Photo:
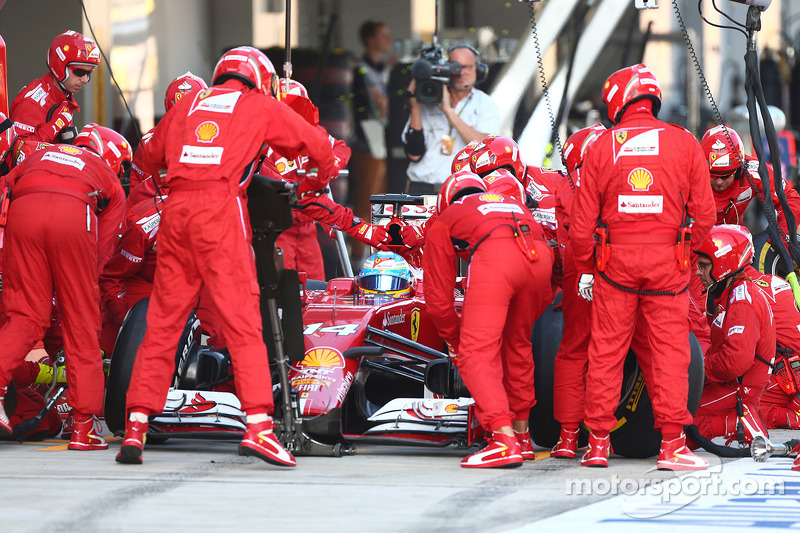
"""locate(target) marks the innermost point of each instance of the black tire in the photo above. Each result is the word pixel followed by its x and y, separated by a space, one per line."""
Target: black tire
pixel 635 436
pixel 10 401
pixel 546 338
pixel 766 259
pixel 129 338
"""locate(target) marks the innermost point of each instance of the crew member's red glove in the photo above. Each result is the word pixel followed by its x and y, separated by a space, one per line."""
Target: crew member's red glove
pixel 311 183
pixel 413 236
pixel 370 234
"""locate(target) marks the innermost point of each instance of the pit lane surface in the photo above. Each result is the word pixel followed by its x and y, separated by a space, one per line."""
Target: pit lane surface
pixel 192 485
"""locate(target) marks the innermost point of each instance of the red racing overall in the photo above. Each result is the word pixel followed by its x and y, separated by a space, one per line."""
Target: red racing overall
pixel 742 339
pixel 779 409
pixel 58 237
pixel 505 294
pixel 36 110
pixel 642 179
pixel 210 142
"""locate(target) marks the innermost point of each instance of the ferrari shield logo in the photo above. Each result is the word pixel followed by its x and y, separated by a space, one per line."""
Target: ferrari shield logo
pixel 414 325
pixel 620 136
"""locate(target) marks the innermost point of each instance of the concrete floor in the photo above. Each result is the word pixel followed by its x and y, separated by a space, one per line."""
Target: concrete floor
pixel 192 485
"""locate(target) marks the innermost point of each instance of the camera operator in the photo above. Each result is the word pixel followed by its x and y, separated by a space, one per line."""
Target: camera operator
pixel 435 132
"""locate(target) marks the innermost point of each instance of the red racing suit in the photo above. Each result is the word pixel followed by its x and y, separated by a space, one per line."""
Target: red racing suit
pixel 543 184
pixel 143 165
pixel 778 407
pixel 128 275
pixel 505 294
pixel 59 237
pixel 210 142
pixel 41 110
pixel 642 179
pixel 733 201
pixel 299 243
pixel 742 346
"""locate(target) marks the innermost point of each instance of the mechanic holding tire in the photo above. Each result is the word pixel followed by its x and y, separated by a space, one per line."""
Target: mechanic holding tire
pixel 210 143
pixel 644 187
pixel 508 287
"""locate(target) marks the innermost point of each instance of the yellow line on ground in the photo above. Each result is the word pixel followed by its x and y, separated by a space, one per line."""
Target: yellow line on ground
pixel 542 455
pixel 61 447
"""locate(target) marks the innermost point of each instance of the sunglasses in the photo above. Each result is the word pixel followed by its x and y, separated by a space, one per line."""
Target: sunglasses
pixel 80 72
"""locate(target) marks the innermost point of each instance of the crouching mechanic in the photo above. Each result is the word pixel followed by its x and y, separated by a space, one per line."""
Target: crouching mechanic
pixel 742 338
pixel 508 287
pixel 66 211
pixel 642 183
pixel 210 142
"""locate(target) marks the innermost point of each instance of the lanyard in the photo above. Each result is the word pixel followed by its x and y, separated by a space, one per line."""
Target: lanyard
pixel 450 133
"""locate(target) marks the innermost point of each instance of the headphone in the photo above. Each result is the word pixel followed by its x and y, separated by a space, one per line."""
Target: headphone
pixel 481 68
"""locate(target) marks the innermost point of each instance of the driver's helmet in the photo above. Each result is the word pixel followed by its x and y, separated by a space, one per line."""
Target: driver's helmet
pixel 385 273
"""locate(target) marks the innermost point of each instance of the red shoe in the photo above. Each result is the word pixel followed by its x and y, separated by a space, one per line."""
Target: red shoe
pixel 596 453
pixel 675 455
pixel 567 445
pixel 130 452
pixel 5 426
pixel 752 423
pixel 525 446
pixel 86 433
pixel 502 451
pixel 259 441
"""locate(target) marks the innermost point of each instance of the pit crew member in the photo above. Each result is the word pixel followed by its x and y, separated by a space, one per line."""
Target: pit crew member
pixel 210 143
pixel 43 109
pixel 642 184
pixel 742 336
pixel 67 208
pixel 508 287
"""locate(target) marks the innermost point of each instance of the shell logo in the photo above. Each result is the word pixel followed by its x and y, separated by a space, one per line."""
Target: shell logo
pixel 640 179
pixel 69 149
pixel 207 132
pixel 323 357
pixel 281 167
pixel 491 197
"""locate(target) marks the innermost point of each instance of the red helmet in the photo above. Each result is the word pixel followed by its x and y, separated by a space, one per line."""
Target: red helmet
pixel 182 85
pixel 8 138
pixel 71 48
pixel 577 144
pixel 495 152
pixel 297 98
pixel 628 85
pixel 461 160
pixel 110 145
pixel 290 86
pixel 723 148
pixel 249 65
pixel 502 181
pixel 457 185
pixel 729 247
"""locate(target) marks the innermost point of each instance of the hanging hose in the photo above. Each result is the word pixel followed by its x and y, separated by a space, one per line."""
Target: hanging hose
pixel 755 94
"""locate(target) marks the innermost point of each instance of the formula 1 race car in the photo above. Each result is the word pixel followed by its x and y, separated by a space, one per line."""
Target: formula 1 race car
pixel 350 367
